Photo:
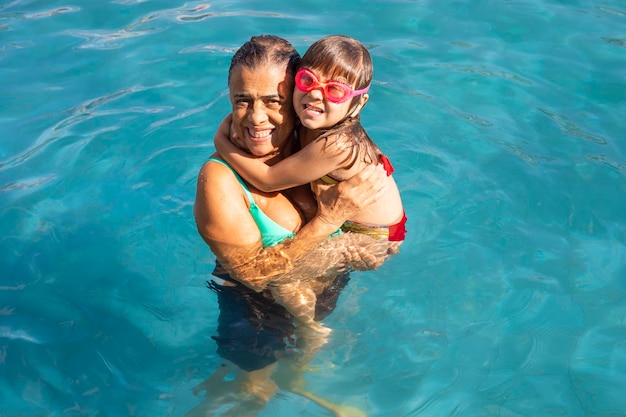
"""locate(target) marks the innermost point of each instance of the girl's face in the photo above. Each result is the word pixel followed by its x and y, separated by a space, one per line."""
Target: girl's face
pixel 316 111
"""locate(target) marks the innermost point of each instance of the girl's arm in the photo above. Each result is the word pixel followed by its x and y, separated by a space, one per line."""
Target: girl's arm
pixel 309 164
pixel 223 130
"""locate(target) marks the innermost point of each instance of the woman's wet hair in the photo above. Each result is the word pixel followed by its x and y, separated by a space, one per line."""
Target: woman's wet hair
pixel 265 50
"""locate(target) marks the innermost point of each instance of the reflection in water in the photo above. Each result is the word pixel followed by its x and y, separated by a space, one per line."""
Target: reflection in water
pixel 266 345
pixel 297 290
pixel 295 284
pixel 262 352
pixel 230 391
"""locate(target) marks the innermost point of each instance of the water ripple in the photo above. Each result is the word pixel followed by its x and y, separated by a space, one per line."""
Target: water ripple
pixel 208 48
pixel 519 151
pixel 128 2
pixel 8 333
pixel 204 16
pixel 614 41
pixel 106 39
pixel 156 125
pixel 609 10
pixel 100 39
pixel 472 118
pixel 570 128
pixel 512 77
pixel 78 114
pixel 33 16
pixel 608 162
pixel 499 73
pixel 111 39
pixel 50 13
pixel 198 14
pixel 28 183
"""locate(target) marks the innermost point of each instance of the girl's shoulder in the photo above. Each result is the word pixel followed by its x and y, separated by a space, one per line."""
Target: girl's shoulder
pixel 352 140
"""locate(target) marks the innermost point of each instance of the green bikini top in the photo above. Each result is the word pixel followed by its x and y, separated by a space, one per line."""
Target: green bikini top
pixel 272 233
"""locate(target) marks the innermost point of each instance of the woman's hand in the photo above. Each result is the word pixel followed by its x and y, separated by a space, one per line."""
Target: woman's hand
pixel 365 253
pixel 339 202
pixel 360 259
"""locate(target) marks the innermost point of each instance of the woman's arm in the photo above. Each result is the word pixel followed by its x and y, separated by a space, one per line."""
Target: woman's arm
pixel 307 165
pixel 224 222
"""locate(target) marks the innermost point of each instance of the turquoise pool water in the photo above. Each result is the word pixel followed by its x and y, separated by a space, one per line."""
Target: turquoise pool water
pixel 505 121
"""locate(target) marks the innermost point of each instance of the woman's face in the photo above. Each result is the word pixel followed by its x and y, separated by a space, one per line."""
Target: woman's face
pixel 263 115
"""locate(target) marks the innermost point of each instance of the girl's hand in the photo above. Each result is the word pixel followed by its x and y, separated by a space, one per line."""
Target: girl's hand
pixel 234 137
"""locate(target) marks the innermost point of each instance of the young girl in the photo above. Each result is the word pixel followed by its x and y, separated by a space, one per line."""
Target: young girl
pixel 331 89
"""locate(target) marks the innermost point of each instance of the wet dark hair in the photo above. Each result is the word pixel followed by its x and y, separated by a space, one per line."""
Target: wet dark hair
pixel 345 59
pixel 265 50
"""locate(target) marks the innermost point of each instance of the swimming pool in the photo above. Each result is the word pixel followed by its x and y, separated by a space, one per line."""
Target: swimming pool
pixel 504 120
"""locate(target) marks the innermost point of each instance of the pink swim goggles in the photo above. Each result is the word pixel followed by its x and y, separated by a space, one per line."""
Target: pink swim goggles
pixel 334 91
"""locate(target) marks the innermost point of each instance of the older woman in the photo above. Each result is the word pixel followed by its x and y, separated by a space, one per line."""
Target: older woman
pixel 257 235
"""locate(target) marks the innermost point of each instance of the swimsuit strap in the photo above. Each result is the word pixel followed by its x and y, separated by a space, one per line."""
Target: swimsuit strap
pixel 327 179
pixel 393 233
pixel 243 184
pixel 272 233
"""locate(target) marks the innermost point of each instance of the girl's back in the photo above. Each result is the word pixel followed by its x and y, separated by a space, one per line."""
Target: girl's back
pixel 360 150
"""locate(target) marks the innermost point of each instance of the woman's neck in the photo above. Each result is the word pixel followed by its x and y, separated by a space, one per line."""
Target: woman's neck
pixel 280 154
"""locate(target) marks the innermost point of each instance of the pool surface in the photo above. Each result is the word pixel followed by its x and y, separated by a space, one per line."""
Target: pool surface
pixel 505 121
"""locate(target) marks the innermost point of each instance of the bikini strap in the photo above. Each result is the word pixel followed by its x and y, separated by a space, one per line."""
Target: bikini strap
pixel 243 184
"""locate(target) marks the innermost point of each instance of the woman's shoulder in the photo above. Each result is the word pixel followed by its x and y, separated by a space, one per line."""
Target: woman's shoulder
pixel 217 173
pixel 223 181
